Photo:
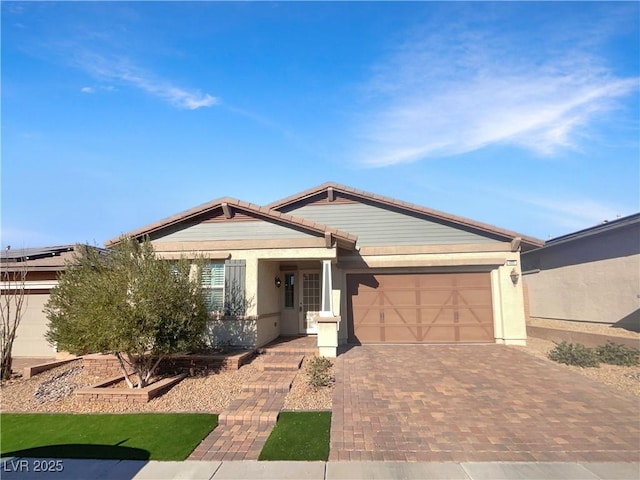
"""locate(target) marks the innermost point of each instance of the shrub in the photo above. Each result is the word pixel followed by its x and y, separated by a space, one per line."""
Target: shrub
pixel 618 354
pixel 318 372
pixel 571 354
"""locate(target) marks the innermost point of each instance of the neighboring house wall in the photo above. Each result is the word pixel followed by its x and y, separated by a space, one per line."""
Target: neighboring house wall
pixel 30 341
pixel 42 266
pixel 592 278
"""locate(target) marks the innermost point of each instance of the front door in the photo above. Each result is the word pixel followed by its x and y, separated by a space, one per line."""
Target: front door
pixel 309 300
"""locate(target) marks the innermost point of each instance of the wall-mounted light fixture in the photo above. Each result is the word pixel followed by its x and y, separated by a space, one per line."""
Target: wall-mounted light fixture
pixel 514 276
pixel 278 282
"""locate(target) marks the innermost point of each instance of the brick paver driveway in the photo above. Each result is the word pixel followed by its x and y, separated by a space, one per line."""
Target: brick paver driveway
pixel 474 403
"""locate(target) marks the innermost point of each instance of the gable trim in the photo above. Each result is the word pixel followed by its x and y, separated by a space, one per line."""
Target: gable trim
pixel 343 239
pixel 509 235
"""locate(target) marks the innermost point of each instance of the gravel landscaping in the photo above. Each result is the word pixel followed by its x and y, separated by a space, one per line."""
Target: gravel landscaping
pixel 52 391
pixel 624 379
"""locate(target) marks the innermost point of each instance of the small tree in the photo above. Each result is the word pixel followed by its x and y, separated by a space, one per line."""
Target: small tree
pixel 129 303
pixel 13 302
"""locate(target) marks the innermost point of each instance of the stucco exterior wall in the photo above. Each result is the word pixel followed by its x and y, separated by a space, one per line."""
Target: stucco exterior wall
pixel 232 332
pixel 603 291
pixel 263 297
pixel 30 341
pixel 589 276
pixel 509 320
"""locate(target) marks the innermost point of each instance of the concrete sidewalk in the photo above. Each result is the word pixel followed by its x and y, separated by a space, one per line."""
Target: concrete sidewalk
pixel 33 468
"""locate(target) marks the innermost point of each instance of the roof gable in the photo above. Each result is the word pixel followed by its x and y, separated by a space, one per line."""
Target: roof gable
pixel 229 210
pixel 340 196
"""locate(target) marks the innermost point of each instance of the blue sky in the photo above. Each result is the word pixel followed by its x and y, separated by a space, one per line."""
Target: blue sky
pixel 116 115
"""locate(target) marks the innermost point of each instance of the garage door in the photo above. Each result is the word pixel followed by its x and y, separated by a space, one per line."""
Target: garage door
pixel 30 341
pixel 420 308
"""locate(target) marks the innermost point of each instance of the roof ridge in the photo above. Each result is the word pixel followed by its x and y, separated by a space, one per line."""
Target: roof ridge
pixel 240 204
pixel 407 206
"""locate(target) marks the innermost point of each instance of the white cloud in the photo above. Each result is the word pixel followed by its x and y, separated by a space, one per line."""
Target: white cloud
pixel 121 70
pixel 453 92
pixel 87 90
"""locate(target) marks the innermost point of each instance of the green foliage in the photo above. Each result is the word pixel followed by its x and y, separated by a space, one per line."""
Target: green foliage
pixel 574 354
pixel 302 436
pixel 618 354
pixel 123 436
pixel 318 372
pixel 129 303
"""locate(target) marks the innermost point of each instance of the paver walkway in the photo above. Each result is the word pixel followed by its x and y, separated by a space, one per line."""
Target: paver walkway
pixel 244 427
pixel 465 403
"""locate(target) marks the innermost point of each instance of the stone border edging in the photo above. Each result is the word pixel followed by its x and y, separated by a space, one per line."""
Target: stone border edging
pixel 587 339
pixel 98 392
pixel 28 372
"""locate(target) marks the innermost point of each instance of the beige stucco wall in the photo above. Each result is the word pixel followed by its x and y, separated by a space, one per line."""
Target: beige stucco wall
pixel 509 320
pixel 30 341
pixel 262 266
pixel 606 291
pixel 268 294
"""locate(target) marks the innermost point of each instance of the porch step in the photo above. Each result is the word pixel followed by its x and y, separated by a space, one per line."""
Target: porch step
pixel 271 382
pixel 307 345
pixel 283 362
pixel 306 351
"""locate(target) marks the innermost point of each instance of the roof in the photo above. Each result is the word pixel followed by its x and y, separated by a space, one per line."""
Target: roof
pixel 605 226
pixel 23 254
pixel 53 258
pixel 226 202
pixel 528 241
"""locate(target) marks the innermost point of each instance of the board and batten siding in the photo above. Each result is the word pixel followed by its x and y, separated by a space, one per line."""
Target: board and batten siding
pixel 257 230
pixel 377 226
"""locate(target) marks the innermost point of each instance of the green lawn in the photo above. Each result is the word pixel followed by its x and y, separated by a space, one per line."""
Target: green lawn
pixel 299 436
pixel 145 436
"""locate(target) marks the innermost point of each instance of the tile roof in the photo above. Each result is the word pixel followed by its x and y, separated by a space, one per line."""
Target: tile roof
pixel 263 212
pixel 528 240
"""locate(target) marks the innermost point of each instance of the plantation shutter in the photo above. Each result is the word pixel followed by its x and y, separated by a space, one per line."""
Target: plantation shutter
pixel 235 295
pixel 213 286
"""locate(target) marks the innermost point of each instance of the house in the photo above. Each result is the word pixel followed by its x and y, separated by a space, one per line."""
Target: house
pixel 350 267
pixel 592 275
pixel 40 267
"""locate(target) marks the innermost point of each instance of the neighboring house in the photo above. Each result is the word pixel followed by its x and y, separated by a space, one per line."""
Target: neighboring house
pixel 42 266
pixel 592 275
pixel 350 266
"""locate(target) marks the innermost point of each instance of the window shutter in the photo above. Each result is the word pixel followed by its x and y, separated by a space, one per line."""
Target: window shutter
pixel 235 295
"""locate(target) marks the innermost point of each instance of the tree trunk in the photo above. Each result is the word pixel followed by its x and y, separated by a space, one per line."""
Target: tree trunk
pixel 124 369
pixel 13 303
pixel 7 363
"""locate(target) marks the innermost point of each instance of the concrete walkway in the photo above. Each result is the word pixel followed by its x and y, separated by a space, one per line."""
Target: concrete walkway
pixel 245 426
pixel 23 469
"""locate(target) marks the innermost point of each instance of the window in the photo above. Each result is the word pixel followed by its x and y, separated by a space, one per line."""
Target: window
pixel 289 280
pixel 213 286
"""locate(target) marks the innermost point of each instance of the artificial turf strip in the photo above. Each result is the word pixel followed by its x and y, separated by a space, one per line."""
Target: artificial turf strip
pixel 144 436
pixel 299 436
